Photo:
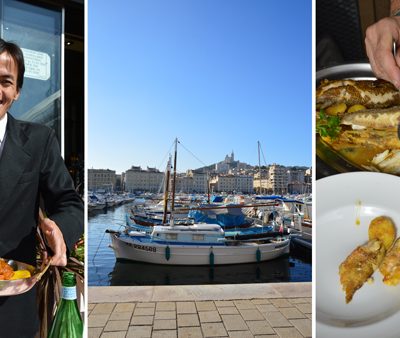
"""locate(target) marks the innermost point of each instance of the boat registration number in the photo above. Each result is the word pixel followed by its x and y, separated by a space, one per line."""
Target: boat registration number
pixel 143 247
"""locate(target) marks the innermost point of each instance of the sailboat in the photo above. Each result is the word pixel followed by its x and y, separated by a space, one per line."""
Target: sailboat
pixel 196 244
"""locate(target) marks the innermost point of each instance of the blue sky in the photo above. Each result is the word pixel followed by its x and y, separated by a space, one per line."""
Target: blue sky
pixel 219 75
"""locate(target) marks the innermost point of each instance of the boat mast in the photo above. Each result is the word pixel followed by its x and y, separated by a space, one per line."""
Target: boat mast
pixel 208 188
pixel 259 167
pixel 168 174
pixel 174 176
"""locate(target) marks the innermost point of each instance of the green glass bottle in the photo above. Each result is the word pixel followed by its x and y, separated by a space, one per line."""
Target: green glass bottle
pixel 68 322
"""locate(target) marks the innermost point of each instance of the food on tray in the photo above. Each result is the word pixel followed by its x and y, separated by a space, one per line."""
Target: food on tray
pixel 371 94
pixel 390 267
pixel 383 229
pixel 388 161
pixel 19 274
pixel 373 118
pixel 359 120
pixel 6 271
pixel 359 266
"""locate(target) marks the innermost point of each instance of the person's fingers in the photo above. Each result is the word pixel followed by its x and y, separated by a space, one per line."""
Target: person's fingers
pixel 379 47
pixel 55 241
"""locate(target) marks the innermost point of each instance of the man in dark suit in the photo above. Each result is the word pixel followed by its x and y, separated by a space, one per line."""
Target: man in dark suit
pixel 31 168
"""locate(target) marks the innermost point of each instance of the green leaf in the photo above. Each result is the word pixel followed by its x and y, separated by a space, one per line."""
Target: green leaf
pixel 328 126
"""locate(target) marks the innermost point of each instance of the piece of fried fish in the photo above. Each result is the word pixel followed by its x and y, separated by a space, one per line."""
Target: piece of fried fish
pixel 359 266
pixel 390 267
pixel 382 119
pixel 369 93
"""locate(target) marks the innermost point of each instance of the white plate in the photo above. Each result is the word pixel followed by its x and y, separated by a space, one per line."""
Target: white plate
pixel 341 201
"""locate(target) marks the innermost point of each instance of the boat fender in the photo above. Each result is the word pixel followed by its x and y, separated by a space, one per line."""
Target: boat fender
pixel 167 253
pixel 211 258
pixel 258 255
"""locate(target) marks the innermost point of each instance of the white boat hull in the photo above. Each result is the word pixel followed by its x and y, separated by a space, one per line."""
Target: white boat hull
pixel 245 252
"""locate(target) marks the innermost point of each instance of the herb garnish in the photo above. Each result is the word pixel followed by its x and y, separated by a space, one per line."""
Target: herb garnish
pixel 328 125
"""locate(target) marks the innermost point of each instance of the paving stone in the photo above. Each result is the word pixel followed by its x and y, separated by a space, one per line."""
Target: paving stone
pixel 303 325
pixel 288 332
pixel 144 311
pixel 164 324
pixel 98 320
pixel 165 306
pixel 164 334
pixel 277 319
pixel 258 327
pixel 244 304
pixel 263 308
pixel 186 307
pixel 121 316
pixel 240 334
pixel 298 300
pixel 260 301
pixel 205 306
pixel 223 303
pixel 213 330
pixel 95 332
pixel 117 325
pixel 252 314
pixel 292 313
pixel 124 307
pixel 281 302
pixel 229 310
pixel 188 319
pixel 103 308
pixel 118 334
pixel 146 304
pixel 165 315
pixel 139 332
pixel 305 308
pixel 209 317
pixel 234 323
pixel 267 336
pixel 190 332
pixel 91 306
pixel 142 320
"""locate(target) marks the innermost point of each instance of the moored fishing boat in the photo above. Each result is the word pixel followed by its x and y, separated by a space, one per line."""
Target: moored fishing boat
pixel 198 244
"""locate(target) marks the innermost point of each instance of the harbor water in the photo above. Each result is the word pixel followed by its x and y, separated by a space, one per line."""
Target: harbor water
pixel 103 269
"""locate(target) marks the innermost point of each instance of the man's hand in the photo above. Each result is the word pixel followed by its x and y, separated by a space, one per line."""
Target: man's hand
pixel 379 46
pixel 55 240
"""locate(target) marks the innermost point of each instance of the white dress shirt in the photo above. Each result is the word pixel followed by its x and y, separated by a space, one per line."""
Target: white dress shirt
pixel 3 125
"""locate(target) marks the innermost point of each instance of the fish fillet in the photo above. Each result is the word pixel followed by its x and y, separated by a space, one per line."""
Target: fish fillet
pixel 373 118
pixel 369 93
pixel 359 266
pixel 378 139
pixel 388 161
pixel 390 267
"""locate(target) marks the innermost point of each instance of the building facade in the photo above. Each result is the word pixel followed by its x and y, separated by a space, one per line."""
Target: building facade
pixel 192 182
pixel 233 184
pixel 277 179
pixel 101 179
pixel 137 179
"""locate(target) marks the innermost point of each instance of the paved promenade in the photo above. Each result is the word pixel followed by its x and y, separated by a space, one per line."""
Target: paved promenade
pixel 244 310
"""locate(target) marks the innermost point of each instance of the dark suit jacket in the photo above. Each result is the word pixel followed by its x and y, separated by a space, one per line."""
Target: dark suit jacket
pixel 31 166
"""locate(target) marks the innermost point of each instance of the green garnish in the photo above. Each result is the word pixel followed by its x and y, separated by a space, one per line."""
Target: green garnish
pixel 327 125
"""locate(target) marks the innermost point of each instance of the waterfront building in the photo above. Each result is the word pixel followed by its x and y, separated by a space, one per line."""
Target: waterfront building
pixel 192 182
pixel 137 179
pixel 101 179
pixel 261 185
pixel 232 183
pixel 277 179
